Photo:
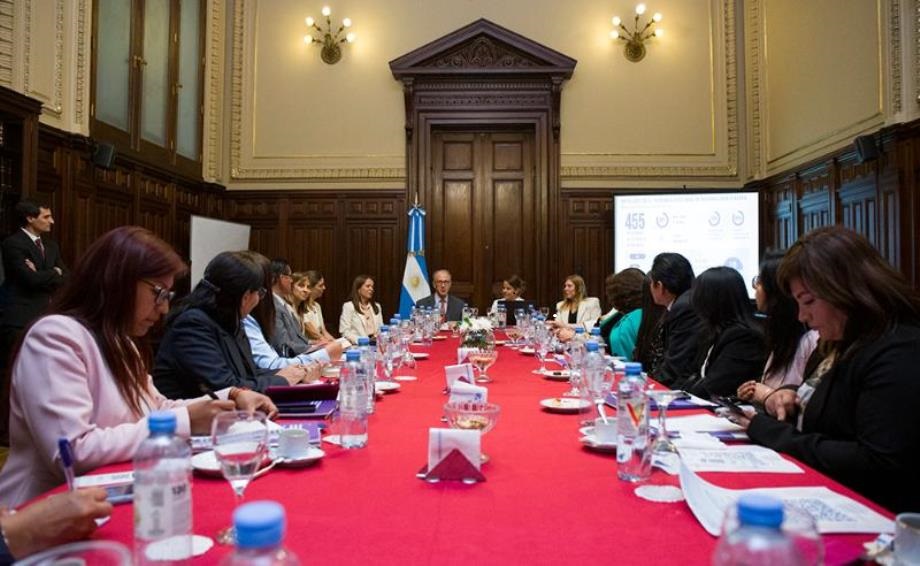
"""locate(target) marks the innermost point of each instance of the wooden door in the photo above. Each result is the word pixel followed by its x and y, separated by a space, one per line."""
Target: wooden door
pixel 481 214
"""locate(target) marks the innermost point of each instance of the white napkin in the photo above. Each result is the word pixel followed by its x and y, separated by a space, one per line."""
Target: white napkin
pixel 462 372
pixel 463 354
pixel 442 440
pixel 465 392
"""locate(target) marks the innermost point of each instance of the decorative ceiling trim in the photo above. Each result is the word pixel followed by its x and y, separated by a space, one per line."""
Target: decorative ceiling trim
pixel 7 20
pixel 895 54
pixel 81 84
pixel 755 32
pixel 213 88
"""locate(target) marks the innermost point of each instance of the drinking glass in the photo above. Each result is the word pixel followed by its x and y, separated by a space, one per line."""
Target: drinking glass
pixel 467 313
pixel 544 311
pixel 474 311
pixel 472 415
pixel 482 359
pixel 240 441
pixel 663 398
pixel 95 552
pixel 542 347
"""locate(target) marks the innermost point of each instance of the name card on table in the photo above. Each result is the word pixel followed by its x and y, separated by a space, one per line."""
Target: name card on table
pixel 461 372
pixel 443 441
pixel 465 393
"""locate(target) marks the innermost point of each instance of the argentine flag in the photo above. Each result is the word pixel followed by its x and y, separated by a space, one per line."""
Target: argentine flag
pixel 415 278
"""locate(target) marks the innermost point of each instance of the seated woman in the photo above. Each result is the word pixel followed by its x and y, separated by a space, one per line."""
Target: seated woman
pixel 361 316
pixel 260 324
pixel 81 371
pixel 671 278
pixel 789 343
pixel 512 291
pixel 649 349
pixel 205 345
pixel 309 287
pixel 620 327
pixel 576 308
pixel 731 342
pixel 855 418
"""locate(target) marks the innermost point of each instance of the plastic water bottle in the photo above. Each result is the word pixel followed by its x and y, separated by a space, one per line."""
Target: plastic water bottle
pixel 260 527
pixel 596 337
pixel 162 494
pixel 594 370
pixel 758 539
pixel 353 401
pixel 634 455
pixel 369 361
pixel 577 357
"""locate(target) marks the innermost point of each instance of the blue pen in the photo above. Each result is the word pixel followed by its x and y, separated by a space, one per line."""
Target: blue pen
pixel 67 460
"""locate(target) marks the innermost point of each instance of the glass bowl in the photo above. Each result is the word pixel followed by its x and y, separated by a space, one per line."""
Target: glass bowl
pixel 471 415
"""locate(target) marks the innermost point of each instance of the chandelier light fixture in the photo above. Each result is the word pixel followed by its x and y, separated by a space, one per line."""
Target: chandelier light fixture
pixel 328 38
pixel 635 39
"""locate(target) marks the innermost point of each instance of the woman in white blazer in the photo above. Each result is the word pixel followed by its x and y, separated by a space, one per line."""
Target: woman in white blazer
pixel 575 308
pixel 360 316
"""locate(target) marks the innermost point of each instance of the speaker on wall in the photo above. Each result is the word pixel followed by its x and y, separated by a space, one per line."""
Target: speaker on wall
pixel 104 154
pixel 866 149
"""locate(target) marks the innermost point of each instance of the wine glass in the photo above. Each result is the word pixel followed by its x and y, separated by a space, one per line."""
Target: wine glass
pixel 240 440
pixel 472 415
pixel 544 311
pixel 483 358
pixel 663 398
pixel 543 339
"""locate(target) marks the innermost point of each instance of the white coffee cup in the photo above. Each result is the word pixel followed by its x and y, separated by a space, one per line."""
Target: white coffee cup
pixel 605 433
pixel 293 443
pixel 907 538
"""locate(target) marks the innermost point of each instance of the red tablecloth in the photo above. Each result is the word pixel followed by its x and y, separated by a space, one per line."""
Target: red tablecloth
pixel 546 499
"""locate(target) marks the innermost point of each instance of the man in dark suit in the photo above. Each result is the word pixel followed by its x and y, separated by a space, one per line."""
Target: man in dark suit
pixel 34 270
pixel 450 307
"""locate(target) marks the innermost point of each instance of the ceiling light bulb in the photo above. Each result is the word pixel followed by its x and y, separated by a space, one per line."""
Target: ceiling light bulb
pixel 616 20
pixel 614 34
pixel 657 17
pixel 659 32
pixel 346 22
pixel 326 11
pixel 309 21
pixel 351 37
pixel 640 9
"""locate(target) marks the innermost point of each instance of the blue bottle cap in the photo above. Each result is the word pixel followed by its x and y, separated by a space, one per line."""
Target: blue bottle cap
pixel 259 524
pixel 633 367
pixel 161 422
pixel 596 331
pixel 579 330
pixel 591 346
pixel 384 328
pixel 364 341
pixel 760 510
pixel 352 356
pixel 394 320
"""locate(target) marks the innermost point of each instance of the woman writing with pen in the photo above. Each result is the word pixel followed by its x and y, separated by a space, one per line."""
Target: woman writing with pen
pixel 81 372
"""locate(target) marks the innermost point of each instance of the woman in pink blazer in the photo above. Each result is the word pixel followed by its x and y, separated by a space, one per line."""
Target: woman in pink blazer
pixel 81 371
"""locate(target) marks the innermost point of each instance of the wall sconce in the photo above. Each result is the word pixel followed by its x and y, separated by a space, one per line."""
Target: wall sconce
pixel 635 39
pixel 329 39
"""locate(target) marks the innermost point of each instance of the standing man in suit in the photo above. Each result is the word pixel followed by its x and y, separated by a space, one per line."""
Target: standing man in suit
pixel 34 270
pixel 450 307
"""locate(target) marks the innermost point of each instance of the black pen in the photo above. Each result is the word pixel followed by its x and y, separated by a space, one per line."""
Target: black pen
pixel 207 391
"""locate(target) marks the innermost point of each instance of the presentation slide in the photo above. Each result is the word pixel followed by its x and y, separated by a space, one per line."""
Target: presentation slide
pixel 709 229
pixel 209 237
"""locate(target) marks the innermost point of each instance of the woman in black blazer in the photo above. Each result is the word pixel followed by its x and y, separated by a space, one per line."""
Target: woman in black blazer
pixel 731 345
pixel 856 417
pixel 204 347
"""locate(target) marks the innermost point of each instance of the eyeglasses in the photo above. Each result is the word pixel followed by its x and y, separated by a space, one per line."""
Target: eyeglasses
pixel 163 295
pixel 755 282
pixel 262 292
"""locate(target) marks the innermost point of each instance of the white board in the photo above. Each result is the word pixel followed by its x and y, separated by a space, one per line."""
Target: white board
pixel 709 229
pixel 209 237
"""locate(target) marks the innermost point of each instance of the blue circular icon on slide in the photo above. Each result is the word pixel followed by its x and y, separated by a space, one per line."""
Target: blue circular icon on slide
pixel 715 218
pixel 662 220
pixel 738 217
pixel 734 263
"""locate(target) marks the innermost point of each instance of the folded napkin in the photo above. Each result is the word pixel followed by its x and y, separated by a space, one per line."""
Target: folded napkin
pixel 442 441
pixel 461 372
pixel 464 392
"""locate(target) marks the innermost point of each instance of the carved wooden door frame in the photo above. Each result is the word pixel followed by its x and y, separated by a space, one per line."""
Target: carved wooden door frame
pixel 484 74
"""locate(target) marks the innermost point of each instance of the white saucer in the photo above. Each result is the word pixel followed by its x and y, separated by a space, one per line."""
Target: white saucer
pixel 438 338
pixel 207 464
pixel 527 350
pixel 420 355
pixel 501 342
pixel 405 378
pixel 386 386
pixel 591 442
pixel 556 374
pixel 564 404
pixel 312 456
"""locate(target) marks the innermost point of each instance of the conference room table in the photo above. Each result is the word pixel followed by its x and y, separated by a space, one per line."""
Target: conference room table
pixel 546 498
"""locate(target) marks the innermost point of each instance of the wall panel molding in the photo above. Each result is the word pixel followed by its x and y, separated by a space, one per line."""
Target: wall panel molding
pixel 214 90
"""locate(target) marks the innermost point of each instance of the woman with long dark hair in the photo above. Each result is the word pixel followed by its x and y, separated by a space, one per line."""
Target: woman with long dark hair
pixel 649 350
pixel 731 342
pixel 361 316
pixel 671 278
pixel 621 328
pixel 856 417
pixel 789 343
pixel 205 347
pixel 81 372
pixel 308 289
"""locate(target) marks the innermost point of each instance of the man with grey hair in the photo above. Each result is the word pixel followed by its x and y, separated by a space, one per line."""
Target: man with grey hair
pixel 450 307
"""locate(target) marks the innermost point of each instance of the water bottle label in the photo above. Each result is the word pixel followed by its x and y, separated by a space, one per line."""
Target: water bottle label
pixel 162 510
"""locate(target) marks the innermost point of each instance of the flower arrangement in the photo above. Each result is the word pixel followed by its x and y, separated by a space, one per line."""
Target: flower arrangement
pixel 476 332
